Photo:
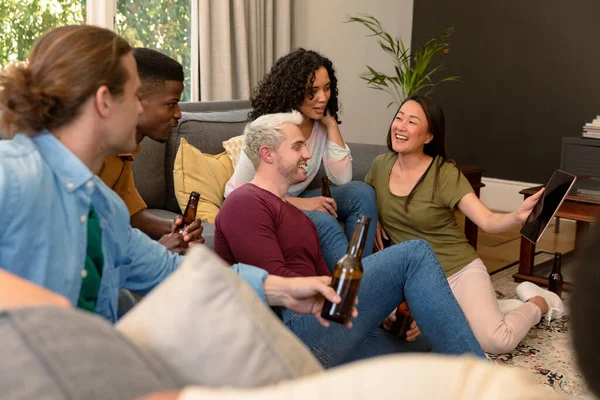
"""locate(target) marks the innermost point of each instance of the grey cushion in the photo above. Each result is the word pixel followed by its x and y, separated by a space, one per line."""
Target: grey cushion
pixel 211 327
pixel 149 173
pixel 59 353
pixel 204 106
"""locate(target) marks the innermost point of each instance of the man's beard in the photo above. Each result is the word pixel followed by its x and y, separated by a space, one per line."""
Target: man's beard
pixel 290 172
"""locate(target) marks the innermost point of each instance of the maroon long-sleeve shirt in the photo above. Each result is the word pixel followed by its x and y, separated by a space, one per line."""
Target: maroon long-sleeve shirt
pixel 256 227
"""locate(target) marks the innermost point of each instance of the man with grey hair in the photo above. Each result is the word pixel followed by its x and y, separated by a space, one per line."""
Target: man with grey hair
pixel 257 226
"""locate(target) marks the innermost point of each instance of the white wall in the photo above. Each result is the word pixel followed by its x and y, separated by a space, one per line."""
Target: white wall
pixel 319 25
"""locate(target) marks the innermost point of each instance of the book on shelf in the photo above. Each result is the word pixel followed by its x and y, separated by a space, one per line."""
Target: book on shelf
pixel 591 130
pixel 591 134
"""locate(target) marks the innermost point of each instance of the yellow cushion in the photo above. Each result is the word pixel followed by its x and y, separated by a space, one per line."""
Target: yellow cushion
pixel 233 147
pixel 203 173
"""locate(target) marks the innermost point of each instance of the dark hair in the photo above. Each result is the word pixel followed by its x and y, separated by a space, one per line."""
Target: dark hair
pixel 65 67
pixel 290 81
pixel 586 311
pixel 154 68
pixel 436 125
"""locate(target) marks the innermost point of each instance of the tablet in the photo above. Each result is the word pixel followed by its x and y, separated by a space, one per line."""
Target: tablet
pixel 557 189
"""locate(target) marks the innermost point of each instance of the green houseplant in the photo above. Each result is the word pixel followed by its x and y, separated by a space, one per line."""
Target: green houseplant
pixel 413 72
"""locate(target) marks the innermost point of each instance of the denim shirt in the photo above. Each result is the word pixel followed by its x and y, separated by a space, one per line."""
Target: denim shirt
pixel 45 197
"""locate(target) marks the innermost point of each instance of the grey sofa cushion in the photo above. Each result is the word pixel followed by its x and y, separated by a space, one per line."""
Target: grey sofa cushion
pixel 150 173
pixel 58 353
pixel 212 328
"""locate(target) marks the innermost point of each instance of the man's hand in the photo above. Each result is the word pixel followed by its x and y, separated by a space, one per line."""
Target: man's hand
pixel 179 243
pixel 192 234
pixel 319 203
pixel 174 243
pixel 304 295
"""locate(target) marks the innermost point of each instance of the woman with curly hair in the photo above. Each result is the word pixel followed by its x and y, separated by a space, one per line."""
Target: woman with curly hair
pixel 305 81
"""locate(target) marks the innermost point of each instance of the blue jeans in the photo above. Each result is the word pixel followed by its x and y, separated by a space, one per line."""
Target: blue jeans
pixel 406 271
pixel 353 200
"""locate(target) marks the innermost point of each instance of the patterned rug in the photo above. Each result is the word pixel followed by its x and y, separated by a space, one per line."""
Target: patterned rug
pixel 546 350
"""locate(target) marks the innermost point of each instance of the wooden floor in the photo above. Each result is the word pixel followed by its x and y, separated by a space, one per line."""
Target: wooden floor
pixel 500 250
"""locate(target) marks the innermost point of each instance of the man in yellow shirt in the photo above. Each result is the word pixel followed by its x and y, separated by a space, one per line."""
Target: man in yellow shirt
pixel 161 87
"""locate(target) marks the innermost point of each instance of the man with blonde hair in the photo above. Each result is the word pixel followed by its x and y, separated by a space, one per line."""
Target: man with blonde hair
pixel 257 226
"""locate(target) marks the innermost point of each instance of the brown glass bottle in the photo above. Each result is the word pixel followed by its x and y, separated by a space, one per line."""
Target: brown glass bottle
pixel 403 320
pixel 347 275
pixel 325 191
pixel 189 215
pixel 555 280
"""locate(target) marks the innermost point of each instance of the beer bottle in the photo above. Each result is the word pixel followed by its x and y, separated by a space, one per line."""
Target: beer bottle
pixel 555 280
pixel 347 275
pixel 189 215
pixel 325 191
pixel 403 320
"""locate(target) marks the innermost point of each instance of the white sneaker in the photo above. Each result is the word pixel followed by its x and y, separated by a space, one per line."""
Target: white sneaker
pixel 508 305
pixel 556 308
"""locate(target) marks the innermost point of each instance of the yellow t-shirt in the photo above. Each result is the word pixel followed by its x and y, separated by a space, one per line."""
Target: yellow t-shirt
pixel 430 213
pixel 117 173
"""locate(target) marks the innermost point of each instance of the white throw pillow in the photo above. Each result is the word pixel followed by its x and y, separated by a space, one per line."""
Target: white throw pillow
pixel 212 328
pixel 233 147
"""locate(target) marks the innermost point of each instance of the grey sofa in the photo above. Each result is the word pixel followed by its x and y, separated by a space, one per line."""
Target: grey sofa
pixel 206 125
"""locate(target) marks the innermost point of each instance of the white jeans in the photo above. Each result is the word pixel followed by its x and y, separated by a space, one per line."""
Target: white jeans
pixel 496 332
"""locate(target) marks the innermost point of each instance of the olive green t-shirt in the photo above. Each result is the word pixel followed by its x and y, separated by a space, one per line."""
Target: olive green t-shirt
pixel 430 213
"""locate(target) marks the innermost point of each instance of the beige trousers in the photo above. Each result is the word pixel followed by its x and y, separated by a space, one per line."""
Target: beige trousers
pixel 496 332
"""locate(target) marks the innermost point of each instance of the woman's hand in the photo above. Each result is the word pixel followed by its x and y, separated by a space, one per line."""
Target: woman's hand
pixel 389 321
pixel 329 121
pixel 413 332
pixel 319 203
pixel 527 206
pixel 333 130
pixel 380 234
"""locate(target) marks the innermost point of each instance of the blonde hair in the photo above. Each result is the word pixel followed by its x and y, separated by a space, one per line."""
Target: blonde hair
pixel 266 131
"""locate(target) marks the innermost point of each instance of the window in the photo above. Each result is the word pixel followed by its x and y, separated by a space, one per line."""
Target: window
pixel 162 25
pixel 23 21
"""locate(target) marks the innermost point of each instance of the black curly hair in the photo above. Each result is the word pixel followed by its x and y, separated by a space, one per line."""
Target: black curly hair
pixel 290 80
